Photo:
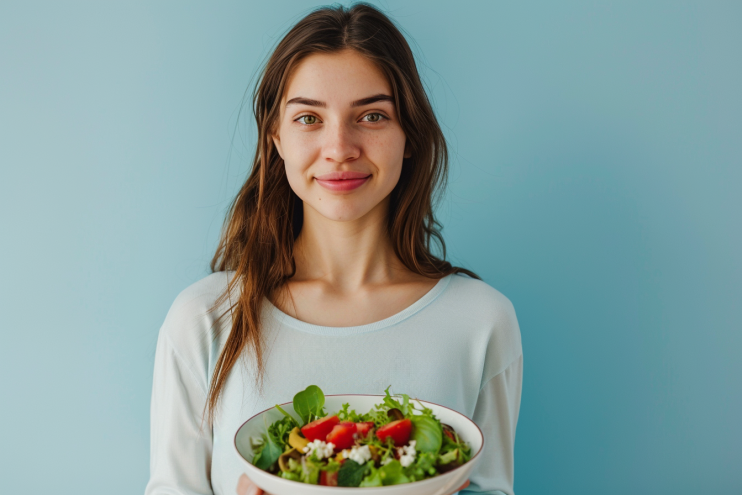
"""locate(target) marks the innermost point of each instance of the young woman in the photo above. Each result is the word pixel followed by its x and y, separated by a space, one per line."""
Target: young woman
pixel 324 273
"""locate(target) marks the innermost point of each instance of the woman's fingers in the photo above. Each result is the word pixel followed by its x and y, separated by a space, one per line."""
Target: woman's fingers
pixel 247 487
pixel 461 487
pixel 244 485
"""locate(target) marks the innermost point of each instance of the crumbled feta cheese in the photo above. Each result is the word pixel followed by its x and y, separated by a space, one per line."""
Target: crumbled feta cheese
pixel 358 454
pixel 386 461
pixel 319 447
pixel 407 454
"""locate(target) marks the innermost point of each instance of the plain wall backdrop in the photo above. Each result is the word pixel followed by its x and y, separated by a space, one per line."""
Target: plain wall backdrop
pixel 596 171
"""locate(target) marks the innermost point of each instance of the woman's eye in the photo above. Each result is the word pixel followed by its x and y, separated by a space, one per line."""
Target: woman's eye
pixel 375 117
pixel 310 119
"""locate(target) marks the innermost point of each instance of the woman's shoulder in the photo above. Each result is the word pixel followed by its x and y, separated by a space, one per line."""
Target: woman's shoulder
pixel 480 300
pixel 203 292
pixel 489 311
pixel 192 320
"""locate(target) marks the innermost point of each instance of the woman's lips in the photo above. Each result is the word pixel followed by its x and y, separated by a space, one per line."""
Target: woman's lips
pixel 342 184
pixel 342 180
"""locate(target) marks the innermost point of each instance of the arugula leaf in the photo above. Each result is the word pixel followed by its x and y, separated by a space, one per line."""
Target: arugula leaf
pixel 287 415
pixel 279 431
pixel 309 403
pixel 378 416
pixel 351 473
pixel 349 415
pixel 463 449
pixel 391 403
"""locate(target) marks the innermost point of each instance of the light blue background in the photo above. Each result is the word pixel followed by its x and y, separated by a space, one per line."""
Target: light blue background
pixel 595 181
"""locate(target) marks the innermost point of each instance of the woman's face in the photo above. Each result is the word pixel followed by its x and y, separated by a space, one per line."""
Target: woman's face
pixel 337 116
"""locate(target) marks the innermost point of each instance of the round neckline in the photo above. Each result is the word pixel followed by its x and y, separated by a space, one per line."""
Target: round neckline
pixel 303 326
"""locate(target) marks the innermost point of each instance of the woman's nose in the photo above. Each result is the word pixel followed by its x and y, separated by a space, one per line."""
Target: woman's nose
pixel 340 143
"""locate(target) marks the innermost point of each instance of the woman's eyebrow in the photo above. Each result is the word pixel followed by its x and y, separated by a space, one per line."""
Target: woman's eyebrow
pixel 372 99
pixel 300 100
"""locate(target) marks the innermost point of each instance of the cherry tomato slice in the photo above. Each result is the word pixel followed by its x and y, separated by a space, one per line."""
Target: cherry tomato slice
pixel 342 435
pixel 399 431
pixel 319 428
pixel 328 479
pixel 363 428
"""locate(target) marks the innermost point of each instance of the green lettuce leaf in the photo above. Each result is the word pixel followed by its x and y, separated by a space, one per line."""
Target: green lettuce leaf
pixel 392 474
pixel 427 433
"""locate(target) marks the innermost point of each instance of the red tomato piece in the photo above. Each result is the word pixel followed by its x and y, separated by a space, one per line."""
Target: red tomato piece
pixel 399 431
pixel 363 428
pixel 342 435
pixel 328 479
pixel 319 428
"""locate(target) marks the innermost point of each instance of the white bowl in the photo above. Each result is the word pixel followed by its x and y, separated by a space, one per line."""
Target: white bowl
pixel 442 484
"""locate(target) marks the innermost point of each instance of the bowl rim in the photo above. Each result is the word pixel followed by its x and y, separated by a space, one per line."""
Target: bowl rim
pixel 481 434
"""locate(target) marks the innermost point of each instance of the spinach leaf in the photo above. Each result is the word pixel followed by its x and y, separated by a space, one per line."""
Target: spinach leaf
pixel 427 433
pixel 309 403
pixel 268 455
pixel 351 473
pixel 271 449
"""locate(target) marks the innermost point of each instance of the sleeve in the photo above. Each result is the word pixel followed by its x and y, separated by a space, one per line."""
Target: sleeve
pixel 180 448
pixel 496 413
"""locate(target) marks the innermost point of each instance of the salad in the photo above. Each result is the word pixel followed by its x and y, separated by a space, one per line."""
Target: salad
pixel 394 443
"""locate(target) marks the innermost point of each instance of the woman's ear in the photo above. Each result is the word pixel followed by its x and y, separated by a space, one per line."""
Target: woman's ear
pixel 407 149
pixel 277 144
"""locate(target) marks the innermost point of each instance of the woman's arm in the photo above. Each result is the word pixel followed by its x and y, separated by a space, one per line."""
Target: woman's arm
pixel 496 413
pixel 180 451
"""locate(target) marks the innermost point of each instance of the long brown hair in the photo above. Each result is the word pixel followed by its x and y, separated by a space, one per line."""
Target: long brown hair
pixel 265 218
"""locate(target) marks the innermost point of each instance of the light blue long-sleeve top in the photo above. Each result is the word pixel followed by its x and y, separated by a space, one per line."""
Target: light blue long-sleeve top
pixel 458 346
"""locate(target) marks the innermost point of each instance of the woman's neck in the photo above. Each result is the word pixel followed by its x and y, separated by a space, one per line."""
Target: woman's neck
pixel 346 254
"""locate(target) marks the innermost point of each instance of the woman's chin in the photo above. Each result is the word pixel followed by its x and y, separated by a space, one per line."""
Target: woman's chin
pixel 343 211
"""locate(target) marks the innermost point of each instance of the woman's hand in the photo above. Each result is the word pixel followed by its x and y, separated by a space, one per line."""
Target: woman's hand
pixel 247 487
